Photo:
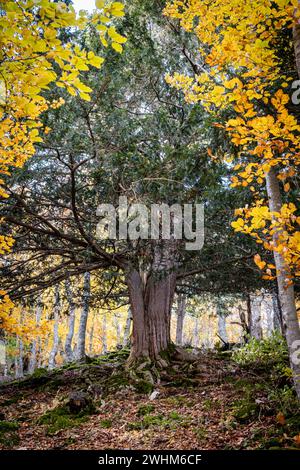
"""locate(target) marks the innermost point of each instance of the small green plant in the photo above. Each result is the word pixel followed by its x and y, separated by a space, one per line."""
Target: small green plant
pixel 106 423
pixel 261 353
pixel 245 410
pixel 145 410
pixel 284 400
pixel 201 433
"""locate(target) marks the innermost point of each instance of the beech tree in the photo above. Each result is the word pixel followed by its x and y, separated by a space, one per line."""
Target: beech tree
pixel 33 57
pixel 242 68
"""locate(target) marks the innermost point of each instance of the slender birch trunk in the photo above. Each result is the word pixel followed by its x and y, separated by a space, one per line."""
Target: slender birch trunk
pixel 181 305
pixel 127 328
pixel 278 324
pixel 33 356
pixel 71 323
pixel 118 328
pixel 55 345
pixel 81 340
pixel 19 366
pixel 222 328
pixel 104 334
pixel 196 332
pixel 91 338
pixel 255 324
pixel 286 291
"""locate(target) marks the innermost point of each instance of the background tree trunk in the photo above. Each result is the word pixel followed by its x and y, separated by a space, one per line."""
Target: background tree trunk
pixel 91 338
pixel 54 349
pixel 127 328
pixel 38 315
pixel 104 334
pixel 196 332
pixel 71 323
pixel 286 291
pixel 278 324
pixel 181 305
pixel 80 352
pixel 255 323
pixel 118 328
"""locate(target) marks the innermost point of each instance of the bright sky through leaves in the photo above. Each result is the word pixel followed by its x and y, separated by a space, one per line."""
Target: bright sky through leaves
pixel 88 5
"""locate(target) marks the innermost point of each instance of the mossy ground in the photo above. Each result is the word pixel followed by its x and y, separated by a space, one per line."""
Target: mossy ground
pixel 209 404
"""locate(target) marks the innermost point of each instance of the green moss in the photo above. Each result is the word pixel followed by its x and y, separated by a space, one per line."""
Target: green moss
pixel 201 433
pixel 106 423
pixel 142 386
pixel 172 422
pixel 41 372
pixel 60 418
pixel 8 433
pixel 145 410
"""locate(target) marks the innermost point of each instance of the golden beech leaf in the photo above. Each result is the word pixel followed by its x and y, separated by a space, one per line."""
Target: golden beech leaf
pixel 280 418
pixel 117 47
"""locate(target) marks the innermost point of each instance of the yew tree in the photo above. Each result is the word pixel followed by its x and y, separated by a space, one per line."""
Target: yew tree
pixel 134 138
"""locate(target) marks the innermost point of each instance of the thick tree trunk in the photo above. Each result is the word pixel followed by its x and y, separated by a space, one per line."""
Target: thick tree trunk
pixel 127 328
pixel 286 291
pixel 71 323
pixel 33 356
pixel 80 351
pixel 181 304
pixel 151 315
pixel 55 345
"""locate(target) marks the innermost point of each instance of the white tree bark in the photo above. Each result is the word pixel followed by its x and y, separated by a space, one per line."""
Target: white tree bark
pixel 55 345
pixel 222 329
pixel 71 323
pixel 196 332
pixel 277 312
pixel 181 305
pixel 104 334
pixel 255 321
pixel 80 351
pixel 286 291
pixel 118 328
pixel 91 338
pixel 33 358
pixel 127 327
pixel 19 366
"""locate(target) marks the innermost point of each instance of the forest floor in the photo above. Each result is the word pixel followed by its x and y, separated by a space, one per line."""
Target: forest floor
pixel 209 404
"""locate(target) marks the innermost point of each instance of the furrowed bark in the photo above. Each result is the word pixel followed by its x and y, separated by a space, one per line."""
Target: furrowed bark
pixel 151 299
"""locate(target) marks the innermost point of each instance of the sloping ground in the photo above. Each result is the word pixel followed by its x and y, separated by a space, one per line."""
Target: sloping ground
pixel 210 404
